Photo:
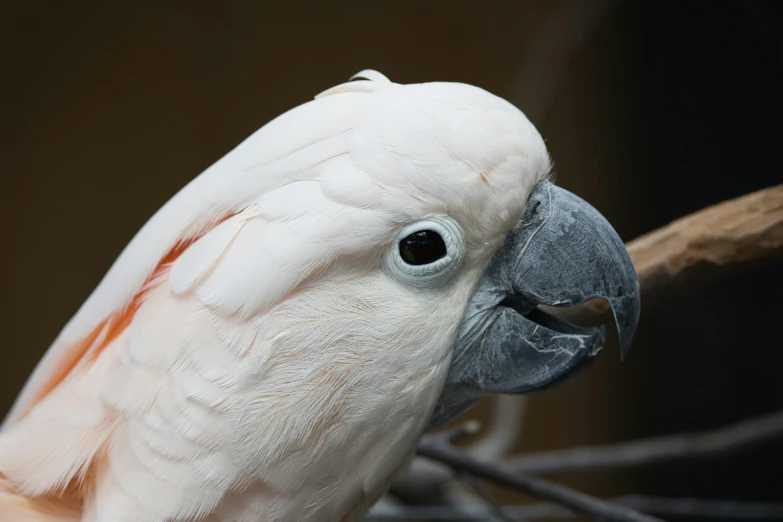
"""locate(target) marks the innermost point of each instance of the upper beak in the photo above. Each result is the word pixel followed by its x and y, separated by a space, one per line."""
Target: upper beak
pixel 562 253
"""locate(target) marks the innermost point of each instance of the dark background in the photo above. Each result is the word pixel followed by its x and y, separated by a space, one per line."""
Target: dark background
pixel 651 110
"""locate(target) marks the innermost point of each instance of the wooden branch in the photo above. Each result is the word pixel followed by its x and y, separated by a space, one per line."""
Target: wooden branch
pixel 436 448
pixel 495 510
pixel 727 440
pixel 726 236
pixel 679 507
pixel 712 243
pixel 709 509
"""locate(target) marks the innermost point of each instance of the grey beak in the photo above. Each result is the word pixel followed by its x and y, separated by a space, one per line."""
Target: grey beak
pixel 562 253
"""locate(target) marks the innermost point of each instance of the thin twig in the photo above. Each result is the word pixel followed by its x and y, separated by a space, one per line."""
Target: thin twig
pixel 500 475
pixel 492 506
pixel 711 509
pixel 428 481
pixel 720 442
pixel 457 433
pixel 507 416
pixel 680 507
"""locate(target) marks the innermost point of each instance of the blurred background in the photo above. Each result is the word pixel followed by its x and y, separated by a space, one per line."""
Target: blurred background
pixel 651 110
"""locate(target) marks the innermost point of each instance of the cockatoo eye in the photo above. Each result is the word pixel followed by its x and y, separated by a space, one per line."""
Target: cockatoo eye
pixel 422 247
pixel 427 253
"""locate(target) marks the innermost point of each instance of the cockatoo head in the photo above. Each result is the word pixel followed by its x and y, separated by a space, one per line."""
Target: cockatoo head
pixel 382 236
pixel 423 223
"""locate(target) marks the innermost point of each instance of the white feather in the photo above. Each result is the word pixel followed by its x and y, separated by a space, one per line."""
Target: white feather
pixel 276 372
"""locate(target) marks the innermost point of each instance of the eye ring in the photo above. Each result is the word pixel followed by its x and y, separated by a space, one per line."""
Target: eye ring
pixel 437 272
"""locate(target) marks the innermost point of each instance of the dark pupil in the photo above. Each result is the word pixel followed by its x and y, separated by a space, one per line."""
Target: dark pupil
pixel 423 247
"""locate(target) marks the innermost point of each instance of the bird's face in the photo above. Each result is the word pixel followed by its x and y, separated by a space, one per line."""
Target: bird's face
pixel 450 235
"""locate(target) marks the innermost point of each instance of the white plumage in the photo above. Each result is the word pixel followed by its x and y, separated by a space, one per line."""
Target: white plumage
pixel 250 356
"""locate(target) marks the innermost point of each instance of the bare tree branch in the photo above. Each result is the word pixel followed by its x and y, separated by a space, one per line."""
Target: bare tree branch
pixel 507 422
pixel 492 507
pixel 726 237
pixel 680 507
pixel 457 433
pixel 712 509
pixel 497 473
pixel 723 441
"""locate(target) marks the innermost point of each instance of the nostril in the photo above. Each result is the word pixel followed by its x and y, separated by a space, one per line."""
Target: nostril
pixel 536 204
pixel 519 304
pixel 532 209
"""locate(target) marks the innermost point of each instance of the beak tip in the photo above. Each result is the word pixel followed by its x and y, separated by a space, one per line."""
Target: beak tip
pixel 624 349
pixel 626 312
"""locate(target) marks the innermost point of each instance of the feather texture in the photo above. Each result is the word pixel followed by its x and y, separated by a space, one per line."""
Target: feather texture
pixel 248 357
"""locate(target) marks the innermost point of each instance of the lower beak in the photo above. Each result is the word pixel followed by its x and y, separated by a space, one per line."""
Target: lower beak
pixel 562 253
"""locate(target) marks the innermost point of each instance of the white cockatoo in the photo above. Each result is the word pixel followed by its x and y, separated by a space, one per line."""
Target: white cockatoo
pixel 274 341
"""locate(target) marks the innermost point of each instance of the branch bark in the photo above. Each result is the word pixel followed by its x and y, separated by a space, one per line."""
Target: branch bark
pixel 679 507
pixel 499 474
pixel 736 437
